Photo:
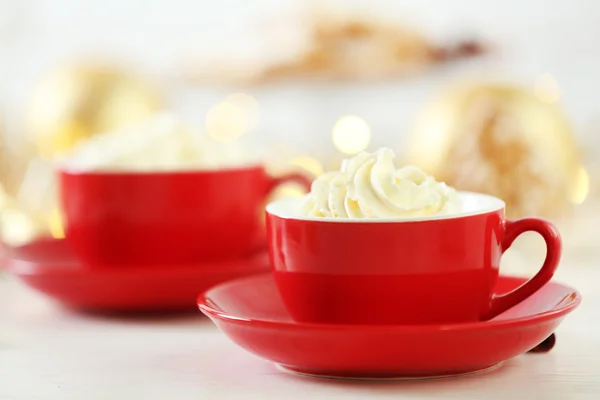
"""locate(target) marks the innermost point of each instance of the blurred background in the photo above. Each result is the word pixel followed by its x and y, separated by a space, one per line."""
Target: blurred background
pixel 498 97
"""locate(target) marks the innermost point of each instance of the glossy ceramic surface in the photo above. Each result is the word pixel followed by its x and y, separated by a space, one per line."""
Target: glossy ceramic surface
pixel 127 219
pixel 50 267
pixel 417 272
pixel 252 313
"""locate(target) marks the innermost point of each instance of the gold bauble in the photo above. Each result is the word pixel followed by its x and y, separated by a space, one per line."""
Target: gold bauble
pixel 70 104
pixel 77 102
pixel 502 140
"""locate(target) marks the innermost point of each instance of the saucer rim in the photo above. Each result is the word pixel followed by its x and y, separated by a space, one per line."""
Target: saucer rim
pixel 203 305
pixel 399 378
pixel 73 268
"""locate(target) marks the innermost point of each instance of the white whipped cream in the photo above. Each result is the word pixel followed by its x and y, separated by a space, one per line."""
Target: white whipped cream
pixel 369 186
pixel 161 142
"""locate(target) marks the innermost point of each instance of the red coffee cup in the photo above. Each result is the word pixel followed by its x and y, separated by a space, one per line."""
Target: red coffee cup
pixel 140 218
pixel 440 269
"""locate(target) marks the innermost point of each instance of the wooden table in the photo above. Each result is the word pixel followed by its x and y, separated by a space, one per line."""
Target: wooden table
pixel 47 352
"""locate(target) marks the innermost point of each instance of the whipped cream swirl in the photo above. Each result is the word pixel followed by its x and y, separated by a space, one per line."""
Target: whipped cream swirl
pixel 161 142
pixel 369 186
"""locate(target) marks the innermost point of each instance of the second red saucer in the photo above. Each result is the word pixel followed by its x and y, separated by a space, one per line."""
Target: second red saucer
pixel 250 311
pixel 49 267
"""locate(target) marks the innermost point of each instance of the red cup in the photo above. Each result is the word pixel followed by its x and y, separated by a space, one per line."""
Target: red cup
pixel 158 218
pixel 440 269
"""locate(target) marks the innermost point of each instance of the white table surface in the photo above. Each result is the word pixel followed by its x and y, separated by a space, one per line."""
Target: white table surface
pixel 47 352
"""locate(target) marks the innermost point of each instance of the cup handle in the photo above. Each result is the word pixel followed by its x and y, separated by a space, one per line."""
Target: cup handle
pixel 512 229
pixel 299 178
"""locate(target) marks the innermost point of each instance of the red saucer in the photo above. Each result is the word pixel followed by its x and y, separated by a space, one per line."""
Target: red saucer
pixel 50 267
pixel 250 311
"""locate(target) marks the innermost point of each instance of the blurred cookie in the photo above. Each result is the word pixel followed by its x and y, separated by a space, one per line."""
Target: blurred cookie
pixel 322 45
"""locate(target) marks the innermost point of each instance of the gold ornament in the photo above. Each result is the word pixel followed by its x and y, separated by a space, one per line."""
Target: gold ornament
pixel 70 105
pixel 75 103
pixel 505 141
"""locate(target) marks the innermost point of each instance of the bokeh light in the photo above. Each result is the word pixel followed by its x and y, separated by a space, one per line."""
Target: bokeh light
pixel 232 118
pixel 17 227
pixel 546 88
pixel 309 164
pixel 249 108
pixel 225 122
pixel 351 134
pixel 55 224
pixel 581 187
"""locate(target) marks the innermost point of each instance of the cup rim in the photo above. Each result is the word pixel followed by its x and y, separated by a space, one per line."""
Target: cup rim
pixel 71 170
pixel 494 204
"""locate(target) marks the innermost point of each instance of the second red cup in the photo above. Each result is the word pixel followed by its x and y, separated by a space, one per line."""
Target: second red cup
pixel 158 218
